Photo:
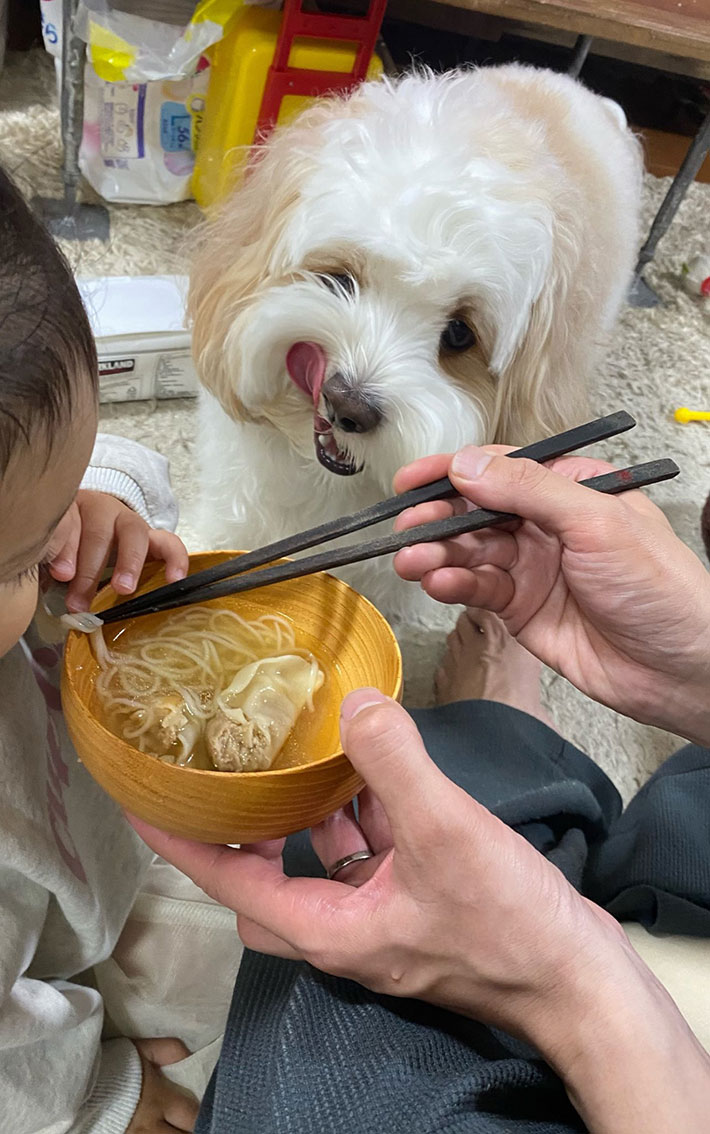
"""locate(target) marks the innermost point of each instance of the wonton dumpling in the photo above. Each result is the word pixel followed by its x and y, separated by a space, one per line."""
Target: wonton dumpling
pixel 172 733
pixel 258 710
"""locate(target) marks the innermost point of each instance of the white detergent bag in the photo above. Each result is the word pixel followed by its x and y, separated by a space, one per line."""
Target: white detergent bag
pixel 140 139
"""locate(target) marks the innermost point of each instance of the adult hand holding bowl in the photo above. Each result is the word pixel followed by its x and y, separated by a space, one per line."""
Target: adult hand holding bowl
pixel 457 909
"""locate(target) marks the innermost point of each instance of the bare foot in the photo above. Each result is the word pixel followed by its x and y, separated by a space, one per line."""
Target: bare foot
pixel 483 662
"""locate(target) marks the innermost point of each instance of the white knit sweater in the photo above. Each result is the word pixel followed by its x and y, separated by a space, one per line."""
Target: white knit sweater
pixel 70 868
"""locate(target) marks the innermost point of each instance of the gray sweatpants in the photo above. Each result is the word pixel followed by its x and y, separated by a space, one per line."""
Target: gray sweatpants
pixel 305 1053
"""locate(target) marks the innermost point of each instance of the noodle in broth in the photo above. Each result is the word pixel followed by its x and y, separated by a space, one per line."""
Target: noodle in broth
pixel 208 688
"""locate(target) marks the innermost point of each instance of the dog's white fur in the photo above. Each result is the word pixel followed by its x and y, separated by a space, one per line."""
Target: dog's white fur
pixel 507 196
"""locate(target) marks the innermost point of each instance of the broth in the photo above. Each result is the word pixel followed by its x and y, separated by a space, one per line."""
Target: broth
pixel 315 733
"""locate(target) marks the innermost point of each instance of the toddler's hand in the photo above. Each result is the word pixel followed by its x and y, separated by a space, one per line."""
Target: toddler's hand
pixel 97 528
pixel 162 1106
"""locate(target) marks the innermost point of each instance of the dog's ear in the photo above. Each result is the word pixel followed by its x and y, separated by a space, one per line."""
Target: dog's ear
pixel 542 391
pixel 235 254
pixel 241 249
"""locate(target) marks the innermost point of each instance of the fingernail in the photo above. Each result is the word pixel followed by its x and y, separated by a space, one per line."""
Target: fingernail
pixel 62 567
pixel 126 581
pixel 76 605
pixel 361 699
pixel 471 462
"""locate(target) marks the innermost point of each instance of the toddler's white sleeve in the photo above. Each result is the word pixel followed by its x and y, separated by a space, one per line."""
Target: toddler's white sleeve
pixel 135 475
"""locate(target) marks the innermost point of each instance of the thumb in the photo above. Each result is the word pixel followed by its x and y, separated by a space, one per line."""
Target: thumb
pixel 383 744
pixel 543 495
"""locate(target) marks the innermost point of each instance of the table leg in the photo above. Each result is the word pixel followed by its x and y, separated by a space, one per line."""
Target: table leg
pixel 581 51
pixel 641 294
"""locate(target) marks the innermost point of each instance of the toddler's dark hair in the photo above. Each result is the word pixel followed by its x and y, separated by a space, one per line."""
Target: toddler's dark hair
pixel 47 350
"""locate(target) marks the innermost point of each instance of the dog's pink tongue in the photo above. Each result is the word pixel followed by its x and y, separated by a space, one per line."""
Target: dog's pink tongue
pixel 306 364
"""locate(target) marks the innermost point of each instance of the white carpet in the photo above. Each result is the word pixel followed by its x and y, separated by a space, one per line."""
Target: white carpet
pixel 658 360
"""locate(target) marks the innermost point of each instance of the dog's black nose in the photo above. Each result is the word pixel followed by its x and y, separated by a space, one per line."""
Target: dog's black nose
pixel 347 408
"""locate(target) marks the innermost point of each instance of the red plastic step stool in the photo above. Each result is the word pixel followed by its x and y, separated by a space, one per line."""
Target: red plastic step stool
pixel 296 24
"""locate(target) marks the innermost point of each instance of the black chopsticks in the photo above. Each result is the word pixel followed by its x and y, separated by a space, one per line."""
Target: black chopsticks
pixel 613 483
pixel 180 593
pixel 222 579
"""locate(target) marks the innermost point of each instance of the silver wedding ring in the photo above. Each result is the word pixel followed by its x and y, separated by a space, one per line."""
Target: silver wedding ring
pixel 358 856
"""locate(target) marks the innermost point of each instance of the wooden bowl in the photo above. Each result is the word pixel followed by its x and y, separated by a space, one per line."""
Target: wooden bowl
pixel 355 646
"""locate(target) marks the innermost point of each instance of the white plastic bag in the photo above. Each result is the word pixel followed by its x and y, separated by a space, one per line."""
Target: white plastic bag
pixel 123 46
pixel 126 46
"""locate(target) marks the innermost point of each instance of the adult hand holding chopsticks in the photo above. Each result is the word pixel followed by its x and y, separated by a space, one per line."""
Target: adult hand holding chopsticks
pixel 597 587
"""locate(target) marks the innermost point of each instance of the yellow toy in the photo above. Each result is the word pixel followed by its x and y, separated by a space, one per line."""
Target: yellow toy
pixel 684 415
pixel 240 66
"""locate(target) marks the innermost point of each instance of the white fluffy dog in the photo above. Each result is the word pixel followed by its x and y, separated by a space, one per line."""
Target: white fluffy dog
pixel 430 262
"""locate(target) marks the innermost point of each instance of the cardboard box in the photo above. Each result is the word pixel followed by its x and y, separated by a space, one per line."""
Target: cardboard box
pixel 143 345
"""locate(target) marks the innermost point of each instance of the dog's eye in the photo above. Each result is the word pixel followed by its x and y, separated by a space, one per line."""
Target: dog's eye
pixel 338 282
pixel 457 335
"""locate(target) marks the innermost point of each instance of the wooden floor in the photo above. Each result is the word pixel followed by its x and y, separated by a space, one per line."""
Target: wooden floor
pixel 664 153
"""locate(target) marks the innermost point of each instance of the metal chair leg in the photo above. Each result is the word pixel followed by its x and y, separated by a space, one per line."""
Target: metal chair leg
pixel 641 294
pixel 72 102
pixel 69 218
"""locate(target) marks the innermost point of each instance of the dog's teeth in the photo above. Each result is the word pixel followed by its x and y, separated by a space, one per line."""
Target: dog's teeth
pixel 322 441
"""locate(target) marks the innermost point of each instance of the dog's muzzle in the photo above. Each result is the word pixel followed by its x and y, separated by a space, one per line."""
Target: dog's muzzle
pixel 347 408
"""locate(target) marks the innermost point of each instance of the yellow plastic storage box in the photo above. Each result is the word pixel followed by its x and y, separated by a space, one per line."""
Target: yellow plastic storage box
pixel 240 65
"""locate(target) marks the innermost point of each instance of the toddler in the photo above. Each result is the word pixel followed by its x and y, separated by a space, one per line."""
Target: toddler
pixel 70 866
